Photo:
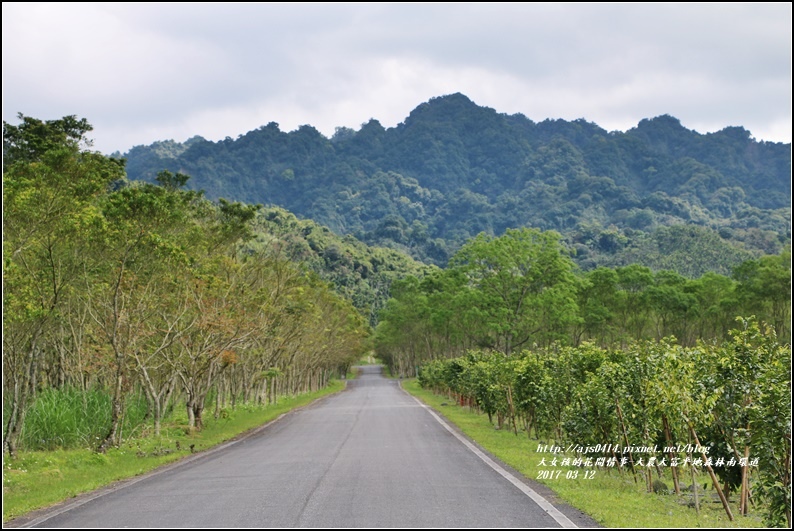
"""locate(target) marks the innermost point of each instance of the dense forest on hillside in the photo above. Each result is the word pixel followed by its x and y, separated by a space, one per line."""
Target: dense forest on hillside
pixel 358 272
pixel 454 169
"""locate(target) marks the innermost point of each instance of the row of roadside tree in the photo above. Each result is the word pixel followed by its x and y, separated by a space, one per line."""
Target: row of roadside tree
pixel 148 290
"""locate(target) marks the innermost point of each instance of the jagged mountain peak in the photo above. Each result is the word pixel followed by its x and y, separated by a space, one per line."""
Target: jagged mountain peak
pixel 447 108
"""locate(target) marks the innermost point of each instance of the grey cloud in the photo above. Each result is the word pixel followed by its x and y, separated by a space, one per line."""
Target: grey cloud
pixel 167 67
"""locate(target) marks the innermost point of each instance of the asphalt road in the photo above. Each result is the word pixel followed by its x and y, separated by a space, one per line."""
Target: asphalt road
pixel 370 456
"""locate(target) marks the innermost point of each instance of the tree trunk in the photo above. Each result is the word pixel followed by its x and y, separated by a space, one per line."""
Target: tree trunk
pixel 24 392
pixel 116 409
pixel 669 438
pixel 14 423
pixel 512 409
pixel 217 403
pixel 713 477
pixel 745 484
pixel 198 409
pixel 191 418
pixel 626 438
pixel 694 487
pixel 157 416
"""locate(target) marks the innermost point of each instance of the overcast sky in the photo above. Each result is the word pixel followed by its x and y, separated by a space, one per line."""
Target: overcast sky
pixel 141 73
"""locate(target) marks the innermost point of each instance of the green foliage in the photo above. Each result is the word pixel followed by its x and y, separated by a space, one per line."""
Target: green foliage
pixel 30 140
pixel 71 418
pixel 764 367
pixel 453 169
pixel 694 381
pixel 360 273
pixel 732 396
pixel 520 289
pixel 172 181
pixel 765 290
pixel 688 250
pixel 591 416
pixel 523 286
pixel 498 293
pixel 51 191
pixel 613 500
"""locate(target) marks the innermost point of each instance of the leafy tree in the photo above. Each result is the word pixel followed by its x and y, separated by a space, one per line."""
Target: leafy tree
pixel 764 289
pixel 50 194
pixel 30 140
pixel 717 304
pixel 673 307
pixel 598 304
pixel 690 402
pixel 757 382
pixel 141 242
pixel 633 283
pixel 524 285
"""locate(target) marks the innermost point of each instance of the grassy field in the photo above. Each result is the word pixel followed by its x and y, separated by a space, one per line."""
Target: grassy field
pixel 611 499
pixel 38 479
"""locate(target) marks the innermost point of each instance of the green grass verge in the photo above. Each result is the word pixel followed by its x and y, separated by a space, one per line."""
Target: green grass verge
pixel 612 500
pixel 38 479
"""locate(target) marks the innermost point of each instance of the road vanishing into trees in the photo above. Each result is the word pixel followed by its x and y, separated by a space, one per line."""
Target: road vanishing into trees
pixel 371 456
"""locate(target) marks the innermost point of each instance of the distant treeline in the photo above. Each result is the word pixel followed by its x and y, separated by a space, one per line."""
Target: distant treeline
pixel 521 291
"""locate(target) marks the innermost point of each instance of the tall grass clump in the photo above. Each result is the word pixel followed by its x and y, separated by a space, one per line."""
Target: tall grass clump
pixel 73 418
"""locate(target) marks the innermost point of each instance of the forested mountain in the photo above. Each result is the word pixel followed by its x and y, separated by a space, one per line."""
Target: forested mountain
pixel 360 273
pixel 454 169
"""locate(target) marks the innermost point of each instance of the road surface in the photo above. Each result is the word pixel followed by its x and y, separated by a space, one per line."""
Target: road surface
pixel 370 456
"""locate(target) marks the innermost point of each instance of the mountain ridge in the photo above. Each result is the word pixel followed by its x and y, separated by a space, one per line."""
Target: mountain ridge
pixel 453 169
